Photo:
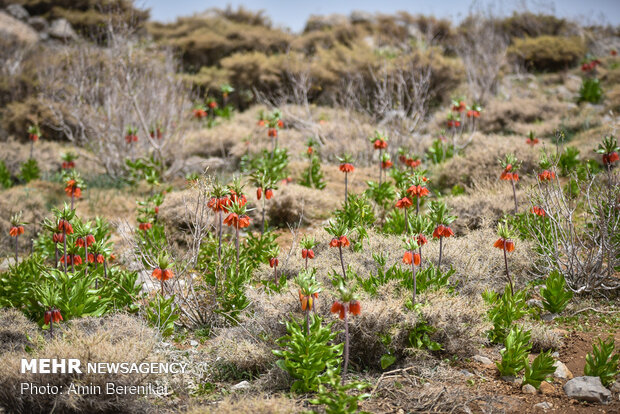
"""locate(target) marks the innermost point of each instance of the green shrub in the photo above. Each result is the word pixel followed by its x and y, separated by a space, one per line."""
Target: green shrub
pixel 5 176
pixel 307 358
pixel 600 363
pixel 514 355
pixel 340 398
pixel 528 24
pixel 504 311
pixel 161 314
pixel 547 53
pixel 555 295
pixel 540 370
pixel 419 337
pixel 29 171
pixel 590 91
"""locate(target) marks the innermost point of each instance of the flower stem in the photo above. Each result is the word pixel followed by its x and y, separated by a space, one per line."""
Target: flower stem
pixel 440 251
pixel 275 275
pixel 263 223
pixel 56 255
pixel 414 278
pixel 514 193
pixel 237 243
pixel 380 165
pixel 417 205
pixel 306 262
pixel 406 221
pixel 344 272
pixel 219 247
pixel 85 257
pixel 420 256
pixel 64 242
pixel 346 342
pixel 512 292
pixel 346 175
pixel 307 322
pixel 16 246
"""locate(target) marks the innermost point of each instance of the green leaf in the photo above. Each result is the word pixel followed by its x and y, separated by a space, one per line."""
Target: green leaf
pixel 387 360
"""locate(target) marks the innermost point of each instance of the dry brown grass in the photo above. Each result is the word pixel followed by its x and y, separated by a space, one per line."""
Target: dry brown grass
pixel 503 114
pixel 31 201
pixel 17 332
pixel 543 337
pixel 114 338
pixel 252 404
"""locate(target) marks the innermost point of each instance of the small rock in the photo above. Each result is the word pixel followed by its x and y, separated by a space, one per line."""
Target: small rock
pixel 556 354
pixel 17 11
pixel 243 385
pixel 546 388
pixel 482 359
pixel 528 389
pixel 193 343
pixel 616 387
pixel 15 29
pixel 543 405
pixel 548 317
pixel 466 373
pixel 561 371
pixel 38 23
pixel 535 303
pixel 513 380
pixel 62 29
pixel 587 389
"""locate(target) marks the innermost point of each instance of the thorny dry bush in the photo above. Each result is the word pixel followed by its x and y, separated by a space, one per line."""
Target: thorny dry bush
pixel 587 258
pixel 483 49
pixel 97 93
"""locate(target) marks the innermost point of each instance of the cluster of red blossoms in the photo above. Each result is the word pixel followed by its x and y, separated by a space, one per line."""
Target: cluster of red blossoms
pixel 268 193
pixel 307 302
pixel 219 204
pixel 162 275
pixel 346 167
pixel 234 220
pixel 386 164
pixel 610 158
pixel 591 65
pixel 354 307
pixel 241 199
pixel 71 259
pixel 157 133
pixel 409 257
pixel 145 226
pixel 72 189
pixel 16 231
pixel 380 144
pixel 129 138
pixel 67 165
pixel 418 191
pixel 410 162
pixel 99 258
pixel 532 141
pixel 274 262
pixel 539 211
pixel 52 315
pixel 307 253
pixel 473 114
pixel 546 175
pixel 442 231
pixel 65 227
pixel 504 244
pixel 460 107
pixel 90 239
pixel 58 238
pixel 341 241
pixel 199 113
pixel 507 175
pixel 453 123
pixel 404 203
pixel 33 137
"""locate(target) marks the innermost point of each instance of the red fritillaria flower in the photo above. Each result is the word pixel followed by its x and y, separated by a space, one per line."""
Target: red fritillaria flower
pixel 272 132
pixel 422 240
pixel 418 191
pixel 52 315
pixel 538 211
pixel 16 231
pixel 199 113
pixel 280 123
pixel 90 239
pixel 47 317
pixel 219 204
pixel 310 150
pixel 212 104
pixel 404 203
pixel 346 167
pixel 162 274
pixel 338 307
pixel 273 262
pixel 408 257
pixel 413 163
pixel 355 307
pixel 145 226
pixel 72 189
pixel 91 258
pixel 546 175
pixel 380 144
pixel 64 224
pixel 58 238
pixel 307 302
pixel 33 137
pixel 386 164
pixel 100 258
pixel 442 231
pixel 234 220
pixel 240 198
pixel 79 242
pixel 610 158
pixel 506 244
pixel 307 253
pixel 341 241
pixel 268 193
pixel 259 193
pixel 532 141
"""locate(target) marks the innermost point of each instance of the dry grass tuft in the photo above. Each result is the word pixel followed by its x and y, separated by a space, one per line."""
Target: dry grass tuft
pixel 17 332
pixel 460 322
pixel 114 338
pixel 543 337
pixel 254 404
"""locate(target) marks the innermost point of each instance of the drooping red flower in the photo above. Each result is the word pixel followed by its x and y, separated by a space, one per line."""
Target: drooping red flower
pixel 546 175
pixel 259 193
pixel 280 124
pixel 307 253
pixel 16 231
pixel 442 231
pixel 273 262
pixel 380 144
pixel 72 189
pixel 100 258
pixel 219 204
pixel 33 137
pixel 145 226
pixel 341 241
pixel 58 238
pixel 338 307
pixel 47 317
pixel 91 258
pixel 310 150
pixel 272 132
pixel 79 242
pixel 346 167
pixel 538 211
pixel 504 244
pixel 162 274
pixel 532 141
pixel 386 164
pixel 64 224
pixel 90 239
pixel 355 307
pixel 307 302
pixel 234 220
pixel 418 191
pixel 413 163
pixel 422 240
pixel 238 198
pixel 610 158
pixel 212 104
pixel 268 193
pixel 408 257
pixel 404 203
pixel 56 316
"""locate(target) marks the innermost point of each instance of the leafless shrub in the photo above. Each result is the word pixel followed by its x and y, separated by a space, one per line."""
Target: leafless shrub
pixel 98 92
pixel 483 49
pixel 585 255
